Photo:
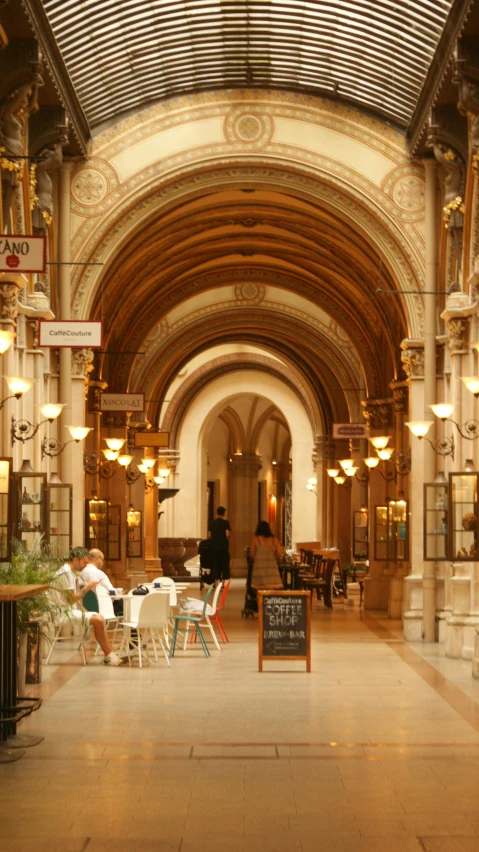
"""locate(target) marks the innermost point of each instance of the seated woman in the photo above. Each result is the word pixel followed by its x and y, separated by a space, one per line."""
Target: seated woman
pixel 265 551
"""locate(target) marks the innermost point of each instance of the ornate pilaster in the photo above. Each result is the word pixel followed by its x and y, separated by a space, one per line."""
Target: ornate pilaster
pixel 377 413
pixel 412 358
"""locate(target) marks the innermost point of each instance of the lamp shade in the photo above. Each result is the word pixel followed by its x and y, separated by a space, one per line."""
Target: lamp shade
pixel 346 463
pixel 125 460
pixel 371 461
pixel 350 471
pixel 51 410
pixel 26 467
pixel 385 454
pixel 110 455
pixel 18 385
pixel 54 479
pixel 340 480
pixel 6 340
pixel 419 428
pixel 115 443
pixel 164 471
pixel 78 433
pixel 149 463
pixel 159 480
pixel 332 472
pixel 380 441
pixel 472 384
pixel 443 410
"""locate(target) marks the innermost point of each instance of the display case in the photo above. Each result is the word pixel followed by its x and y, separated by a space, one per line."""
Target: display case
pixel 96 524
pixel 463 514
pixel 5 509
pixel 391 531
pixel 134 538
pixel 59 519
pixel 435 520
pixel 102 528
pixel 29 490
pixel 360 535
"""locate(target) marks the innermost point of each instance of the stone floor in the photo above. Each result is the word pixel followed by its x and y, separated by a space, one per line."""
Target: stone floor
pixel 377 749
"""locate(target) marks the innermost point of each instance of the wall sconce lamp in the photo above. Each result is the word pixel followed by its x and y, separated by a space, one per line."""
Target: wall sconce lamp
pixel 53 447
pixel 340 478
pixel 18 386
pixel 442 446
pixel 23 430
pixel 469 429
pixel 6 340
pixel 399 463
pixel 311 484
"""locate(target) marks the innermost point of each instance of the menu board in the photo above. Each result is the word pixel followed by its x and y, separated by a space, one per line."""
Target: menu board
pixel 284 626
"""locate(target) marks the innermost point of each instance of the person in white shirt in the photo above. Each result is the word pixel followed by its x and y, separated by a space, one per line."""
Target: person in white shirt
pixel 93 571
pixel 64 586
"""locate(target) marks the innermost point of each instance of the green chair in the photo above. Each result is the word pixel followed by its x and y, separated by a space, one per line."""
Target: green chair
pixel 186 620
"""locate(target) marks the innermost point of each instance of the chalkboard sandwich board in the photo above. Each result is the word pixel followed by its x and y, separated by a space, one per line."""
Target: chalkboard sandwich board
pixel 284 626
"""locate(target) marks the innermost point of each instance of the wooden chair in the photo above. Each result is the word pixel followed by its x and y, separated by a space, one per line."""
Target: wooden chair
pixel 321 581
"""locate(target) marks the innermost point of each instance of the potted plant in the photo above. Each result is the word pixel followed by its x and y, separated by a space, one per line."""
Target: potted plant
pixel 35 566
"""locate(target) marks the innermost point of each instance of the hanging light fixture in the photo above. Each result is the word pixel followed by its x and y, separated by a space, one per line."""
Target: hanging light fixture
pixel 53 447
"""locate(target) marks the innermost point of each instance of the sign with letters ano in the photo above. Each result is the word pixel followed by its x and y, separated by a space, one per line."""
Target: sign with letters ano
pixel 71 334
pixel 350 430
pixel 22 253
pixel 122 401
pixel 284 626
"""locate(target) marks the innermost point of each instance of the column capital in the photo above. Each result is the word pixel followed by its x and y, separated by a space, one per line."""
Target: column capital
pixel 412 358
pixel 400 391
pixel 248 464
pixel 377 412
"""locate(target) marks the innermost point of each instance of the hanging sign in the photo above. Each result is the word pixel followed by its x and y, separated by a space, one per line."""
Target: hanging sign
pixel 122 401
pixel 22 253
pixel 350 430
pixel 71 334
pixel 284 626
pixel 152 439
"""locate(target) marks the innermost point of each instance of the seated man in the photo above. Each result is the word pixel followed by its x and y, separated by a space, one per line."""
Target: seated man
pixel 65 588
pixel 93 571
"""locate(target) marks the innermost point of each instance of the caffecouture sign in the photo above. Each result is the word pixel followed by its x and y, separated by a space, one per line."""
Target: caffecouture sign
pixel 74 334
pixel 22 253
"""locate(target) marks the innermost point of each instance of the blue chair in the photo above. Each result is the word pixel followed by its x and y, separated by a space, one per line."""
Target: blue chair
pixel 186 620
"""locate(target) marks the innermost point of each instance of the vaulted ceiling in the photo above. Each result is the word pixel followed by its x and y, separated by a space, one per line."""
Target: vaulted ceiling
pixel 125 54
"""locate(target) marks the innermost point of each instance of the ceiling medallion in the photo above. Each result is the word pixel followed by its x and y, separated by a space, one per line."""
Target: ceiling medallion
pixel 249 293
pixel 409 193
pixel 248 127
pixel 89 186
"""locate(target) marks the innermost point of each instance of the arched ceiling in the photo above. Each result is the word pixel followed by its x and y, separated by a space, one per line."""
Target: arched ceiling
pixel 265 237
pixel 122 55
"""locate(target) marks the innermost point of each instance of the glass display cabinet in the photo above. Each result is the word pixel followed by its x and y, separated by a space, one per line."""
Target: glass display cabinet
pixel 391 531
pixel 102 528
pixel 5 509
pixel 134 538
pixel 464 512
pixel 59 519
pixel 29 491
pixel 360 535
pixel 96 524
pixel 435 520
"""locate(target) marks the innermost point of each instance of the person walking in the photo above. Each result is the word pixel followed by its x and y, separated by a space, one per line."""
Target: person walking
pixel 265 551
pixel 219 531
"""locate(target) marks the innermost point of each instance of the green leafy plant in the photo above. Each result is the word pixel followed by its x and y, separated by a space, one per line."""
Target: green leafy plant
pixel 35 566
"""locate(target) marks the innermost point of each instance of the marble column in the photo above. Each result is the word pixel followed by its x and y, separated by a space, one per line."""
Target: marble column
pixel 65 382
pixel 401 569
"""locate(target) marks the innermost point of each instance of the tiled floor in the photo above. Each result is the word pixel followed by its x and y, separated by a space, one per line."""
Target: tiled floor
pixel 377 749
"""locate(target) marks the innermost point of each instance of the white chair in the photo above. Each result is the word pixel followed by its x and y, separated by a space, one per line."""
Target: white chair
pixel 151 625
pixel 195 606
pixel 56 627
pixel 168 583
pixel 105 608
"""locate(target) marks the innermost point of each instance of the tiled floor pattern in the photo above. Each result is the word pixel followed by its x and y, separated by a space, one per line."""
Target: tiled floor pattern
pixel 376 750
